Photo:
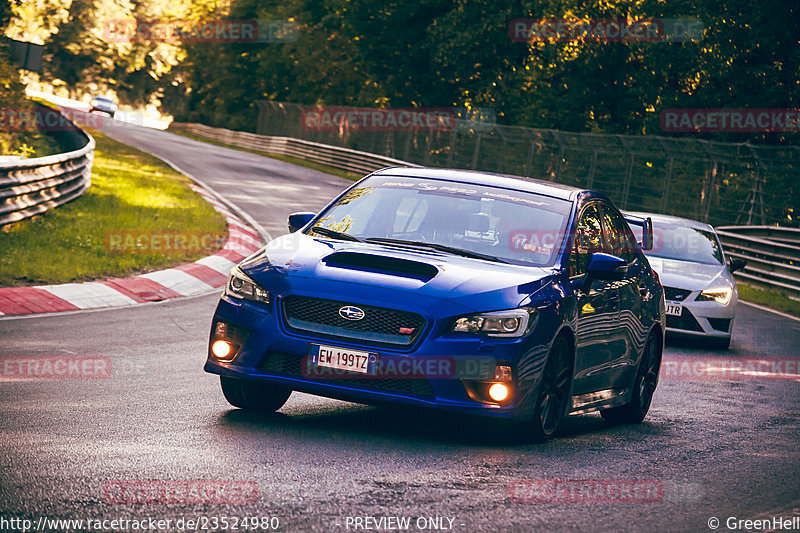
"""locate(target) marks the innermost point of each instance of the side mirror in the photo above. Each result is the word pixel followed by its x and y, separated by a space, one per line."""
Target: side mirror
pixel 298 220
pixel 736 264
pixel 604 267
pixel 647 230
pixel 647 234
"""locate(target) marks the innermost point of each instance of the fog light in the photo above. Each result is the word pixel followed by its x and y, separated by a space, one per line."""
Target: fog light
pixel 221 349
pixel 498 392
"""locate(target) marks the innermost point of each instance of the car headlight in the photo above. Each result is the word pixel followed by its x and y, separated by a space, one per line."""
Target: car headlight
pixel 721 296
pixel 240 286
pixel 511 323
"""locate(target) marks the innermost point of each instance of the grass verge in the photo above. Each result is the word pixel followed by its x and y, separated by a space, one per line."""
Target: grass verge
pixel 352 176
pixel 772 298
pixel 27 144
pixel 138 215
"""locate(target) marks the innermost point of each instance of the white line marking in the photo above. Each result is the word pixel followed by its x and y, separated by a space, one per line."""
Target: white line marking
pixel 220 264
pixel 89 295
pixel 179 281
pixel 243 238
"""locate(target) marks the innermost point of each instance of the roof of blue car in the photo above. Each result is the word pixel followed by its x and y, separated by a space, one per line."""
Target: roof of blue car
pixel 505 181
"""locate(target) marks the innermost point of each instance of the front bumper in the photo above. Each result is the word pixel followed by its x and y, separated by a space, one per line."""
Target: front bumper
pixel 271 352
pixel 703 319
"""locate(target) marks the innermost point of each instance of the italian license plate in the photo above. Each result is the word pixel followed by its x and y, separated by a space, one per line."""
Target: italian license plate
pixel 343 359
pixel 674 309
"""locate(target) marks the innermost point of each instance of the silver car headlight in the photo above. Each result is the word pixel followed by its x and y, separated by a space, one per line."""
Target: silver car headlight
pixel 511 323
pixel 240 286
pixel 720 295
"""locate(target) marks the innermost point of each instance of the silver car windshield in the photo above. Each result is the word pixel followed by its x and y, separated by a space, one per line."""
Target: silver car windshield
pixel 514 226
pixel 684 243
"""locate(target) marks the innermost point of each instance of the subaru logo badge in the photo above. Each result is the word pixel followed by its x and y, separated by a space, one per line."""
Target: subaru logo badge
pixel 351 312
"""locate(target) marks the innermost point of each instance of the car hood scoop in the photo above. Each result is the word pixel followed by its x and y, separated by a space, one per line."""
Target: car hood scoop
pixel 393 266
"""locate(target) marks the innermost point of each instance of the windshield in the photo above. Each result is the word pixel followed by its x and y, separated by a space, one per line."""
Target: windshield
pixel 676 241
pixel 513 226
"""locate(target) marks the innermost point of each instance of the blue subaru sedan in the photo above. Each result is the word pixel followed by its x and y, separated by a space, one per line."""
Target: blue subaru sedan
pixel 483 294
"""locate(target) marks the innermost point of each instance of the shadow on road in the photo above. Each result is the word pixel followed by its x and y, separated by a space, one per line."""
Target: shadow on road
pixel 391 426
pixel 698 344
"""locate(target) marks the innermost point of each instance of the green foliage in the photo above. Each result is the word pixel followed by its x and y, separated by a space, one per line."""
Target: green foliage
pixel 12 99
pixel 5 13
pixel 444 53
pixel 458 53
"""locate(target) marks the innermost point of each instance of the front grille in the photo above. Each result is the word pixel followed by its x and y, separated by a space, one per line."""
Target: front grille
pixel 686 321
pixel 381 325
pixel 675 295
pixel 289 365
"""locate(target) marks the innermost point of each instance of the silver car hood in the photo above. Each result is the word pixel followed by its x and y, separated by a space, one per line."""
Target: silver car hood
pixel 690 276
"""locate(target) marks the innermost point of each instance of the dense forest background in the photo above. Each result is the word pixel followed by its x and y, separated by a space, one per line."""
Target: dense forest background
pixel 435 53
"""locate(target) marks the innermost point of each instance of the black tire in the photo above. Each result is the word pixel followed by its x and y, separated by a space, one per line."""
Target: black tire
pixel 552 394
pixel 254 395
pixel 643 387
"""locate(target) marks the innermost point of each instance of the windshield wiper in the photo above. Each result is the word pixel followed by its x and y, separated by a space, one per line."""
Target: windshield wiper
pixel 327 232
pixel 437 247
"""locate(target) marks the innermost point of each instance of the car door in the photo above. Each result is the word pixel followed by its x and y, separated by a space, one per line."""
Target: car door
pixel 597 304
pixel 630 332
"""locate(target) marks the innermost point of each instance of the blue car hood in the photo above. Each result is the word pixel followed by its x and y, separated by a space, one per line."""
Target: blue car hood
pixel 297 262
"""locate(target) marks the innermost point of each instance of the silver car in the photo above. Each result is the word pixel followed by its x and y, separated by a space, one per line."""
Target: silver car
pixel 104 104
pixel 699 288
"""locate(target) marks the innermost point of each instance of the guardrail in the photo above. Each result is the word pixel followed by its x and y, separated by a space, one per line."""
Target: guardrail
pixel 29 187
pixel 772 254
pixel 714 182
pixel 323 154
